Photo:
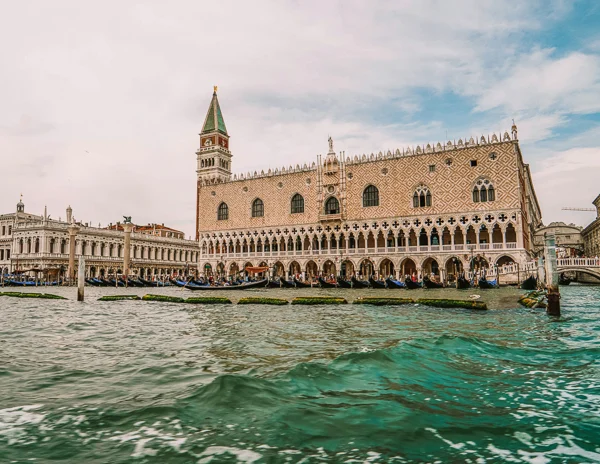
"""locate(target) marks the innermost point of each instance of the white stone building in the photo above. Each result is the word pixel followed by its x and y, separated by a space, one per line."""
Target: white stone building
pixel 37 244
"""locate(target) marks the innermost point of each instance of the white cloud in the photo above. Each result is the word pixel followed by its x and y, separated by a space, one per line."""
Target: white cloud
pixel 130 84
pixel 568 179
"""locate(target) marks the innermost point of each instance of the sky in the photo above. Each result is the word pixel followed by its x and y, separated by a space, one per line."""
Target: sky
pixel 101 103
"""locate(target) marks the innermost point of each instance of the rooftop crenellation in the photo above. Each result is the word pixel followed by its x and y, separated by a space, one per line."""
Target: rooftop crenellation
pixel 450 145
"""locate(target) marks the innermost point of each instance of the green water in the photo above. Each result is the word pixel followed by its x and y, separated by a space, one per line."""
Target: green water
pixel 117 382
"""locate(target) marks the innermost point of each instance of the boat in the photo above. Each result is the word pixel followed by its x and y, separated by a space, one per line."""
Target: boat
pixel 530 283
pixel 149 283
pixel 393 283
pixel 116 283
pixel 245 286
pixel 301 284
pixel 324 284
pixel 564 280
pixel 359 283
pixel 93 282
pixel 428 283
pixel 274 284
pixel 462 283
pixel 287 283
pixel 19 283
pixel 412 285
pixel 376 283
pixel 344 283
pixel 483 283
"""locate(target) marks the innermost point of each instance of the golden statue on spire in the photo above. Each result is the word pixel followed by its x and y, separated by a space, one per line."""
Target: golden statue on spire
pixel 215 88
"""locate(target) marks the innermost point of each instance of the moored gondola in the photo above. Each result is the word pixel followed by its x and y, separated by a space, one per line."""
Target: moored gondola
pixel 484 283
pixel 530 283
pixel 359 283
pixel 376 283
pixel 428 283
pixel 324 284
pixel 344 283
pixel 412 285
pixel 245 286
pixel 287 283
pixel 300 284
pixel 564 280
pixel 93 282
pixel 462 283
pixel 274 284
pixel 393 283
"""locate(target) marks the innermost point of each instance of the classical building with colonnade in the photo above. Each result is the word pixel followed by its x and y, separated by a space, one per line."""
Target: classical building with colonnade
pixel 36 243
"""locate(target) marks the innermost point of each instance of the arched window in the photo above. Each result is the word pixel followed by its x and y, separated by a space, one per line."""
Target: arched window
pixel 332 206
pixel 483 191
pixel 371 196
pixel 223 212
pixel 297 204
pixel 422 197
pixel 258 208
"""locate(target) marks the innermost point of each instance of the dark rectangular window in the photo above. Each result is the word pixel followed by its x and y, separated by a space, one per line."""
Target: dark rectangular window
pixel 473 163
pixel 432 168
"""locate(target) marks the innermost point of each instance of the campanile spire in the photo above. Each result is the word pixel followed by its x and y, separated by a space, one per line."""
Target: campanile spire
pixel 214 157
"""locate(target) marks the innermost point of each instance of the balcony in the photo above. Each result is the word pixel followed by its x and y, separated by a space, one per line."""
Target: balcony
pixel 370 251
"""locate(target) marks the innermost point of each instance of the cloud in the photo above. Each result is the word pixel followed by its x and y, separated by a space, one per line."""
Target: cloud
pixel 130 84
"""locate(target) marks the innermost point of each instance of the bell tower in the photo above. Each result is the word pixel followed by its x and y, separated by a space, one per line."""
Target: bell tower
pixel 214 157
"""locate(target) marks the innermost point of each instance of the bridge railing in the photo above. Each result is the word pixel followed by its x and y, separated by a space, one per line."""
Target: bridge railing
pixel 578 262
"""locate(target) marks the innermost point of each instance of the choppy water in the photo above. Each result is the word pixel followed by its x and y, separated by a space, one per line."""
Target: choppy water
pixel 120 382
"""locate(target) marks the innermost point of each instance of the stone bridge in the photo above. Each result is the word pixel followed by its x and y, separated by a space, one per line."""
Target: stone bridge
pixel 589 266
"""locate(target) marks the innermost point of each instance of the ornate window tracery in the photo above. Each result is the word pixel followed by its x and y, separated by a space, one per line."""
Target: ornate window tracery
pixel 422 197
pixel 483 191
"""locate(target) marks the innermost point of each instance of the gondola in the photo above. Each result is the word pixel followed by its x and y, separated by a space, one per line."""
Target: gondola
pixel 359 283
pixel 287 283
pixel 462 283
pixel 93 283
pixel 412 285
pixel 116 283
pixel 18 283
pixel 246 286
pixel 428 283
pixel 324 284
pixel 344 283
pixel 483 283
pixel 530 283
pixel 563 280
pixel 376 283
pixel 99 282
pixel 149 283
pixel 274 284
pixel 393 283
pixel 301 284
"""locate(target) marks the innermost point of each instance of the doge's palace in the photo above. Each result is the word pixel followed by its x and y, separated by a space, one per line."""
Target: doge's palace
pixel 436 208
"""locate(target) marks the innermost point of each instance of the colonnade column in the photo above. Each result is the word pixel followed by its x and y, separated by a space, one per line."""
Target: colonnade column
pixel 127 228
pixel 73 229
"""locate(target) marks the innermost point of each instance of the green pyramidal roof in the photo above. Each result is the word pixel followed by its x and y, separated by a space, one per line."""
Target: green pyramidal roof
pixel 214 118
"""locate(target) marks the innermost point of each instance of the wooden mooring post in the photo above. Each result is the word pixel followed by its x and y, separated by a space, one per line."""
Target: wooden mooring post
pixel 80 278
pixel 551 272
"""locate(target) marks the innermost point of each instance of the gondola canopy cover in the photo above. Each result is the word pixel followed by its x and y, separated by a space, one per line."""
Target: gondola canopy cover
pixel 256 269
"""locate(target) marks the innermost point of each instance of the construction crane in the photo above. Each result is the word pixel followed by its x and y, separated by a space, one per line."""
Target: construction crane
pixel 578 209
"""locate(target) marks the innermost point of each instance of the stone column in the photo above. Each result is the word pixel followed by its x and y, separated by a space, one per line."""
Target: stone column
pixel 73 229
pixel 127 228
